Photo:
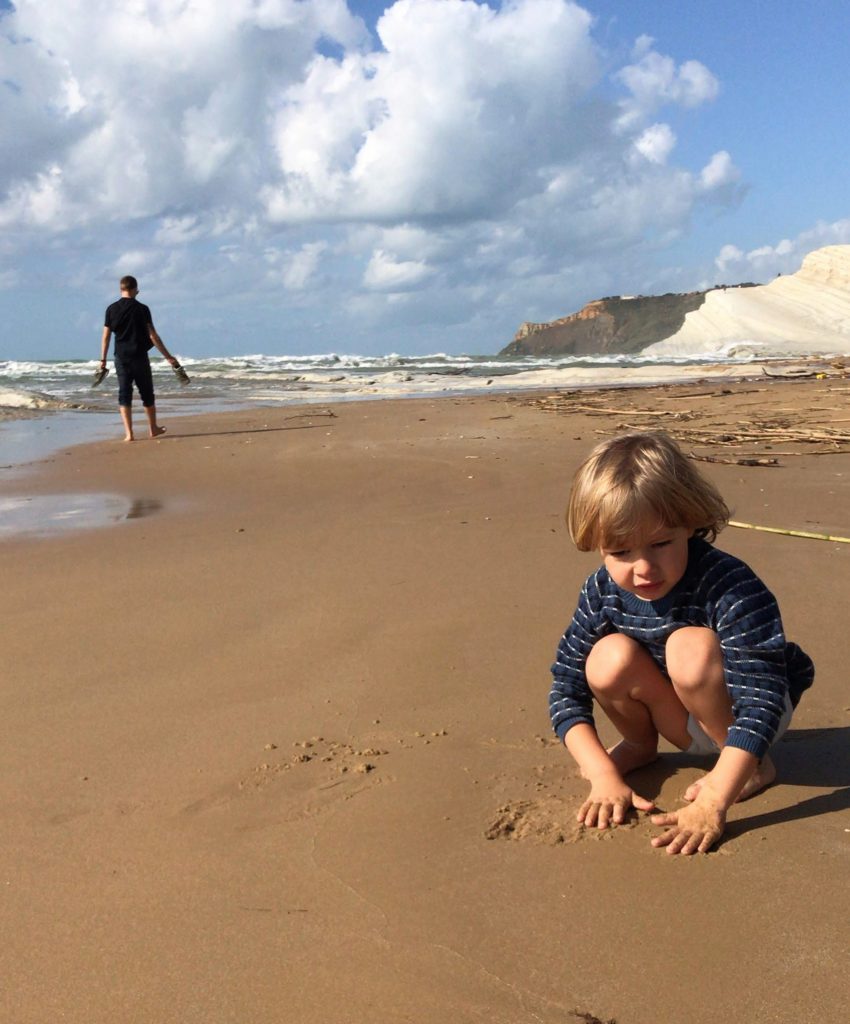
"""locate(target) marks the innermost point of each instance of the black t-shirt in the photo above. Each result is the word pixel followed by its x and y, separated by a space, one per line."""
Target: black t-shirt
pixel 129 321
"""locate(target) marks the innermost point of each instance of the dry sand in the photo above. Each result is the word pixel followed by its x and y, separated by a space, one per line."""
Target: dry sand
pixel 277 749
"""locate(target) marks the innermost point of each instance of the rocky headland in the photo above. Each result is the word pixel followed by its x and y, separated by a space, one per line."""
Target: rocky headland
pixel 808 311
pixel 616 324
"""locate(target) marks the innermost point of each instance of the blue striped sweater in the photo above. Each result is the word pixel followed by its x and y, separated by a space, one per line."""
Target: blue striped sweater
pixel 717 591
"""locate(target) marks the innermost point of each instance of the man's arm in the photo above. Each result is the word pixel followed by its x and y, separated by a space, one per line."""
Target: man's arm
pixel 160 345
pixel 104 345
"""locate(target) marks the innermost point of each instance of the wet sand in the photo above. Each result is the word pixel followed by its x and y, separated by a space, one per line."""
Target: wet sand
pixel 277 747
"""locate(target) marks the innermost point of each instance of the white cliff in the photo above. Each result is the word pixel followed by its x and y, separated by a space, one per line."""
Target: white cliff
pixel 806 312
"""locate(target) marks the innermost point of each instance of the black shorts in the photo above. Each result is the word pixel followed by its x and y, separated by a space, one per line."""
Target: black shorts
pixel 134 370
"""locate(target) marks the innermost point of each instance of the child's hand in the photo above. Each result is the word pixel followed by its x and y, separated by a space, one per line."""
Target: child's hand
pixel 610 801
pixel 694 829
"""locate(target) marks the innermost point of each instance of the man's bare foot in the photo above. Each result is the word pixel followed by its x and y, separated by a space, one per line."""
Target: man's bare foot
pixel 628 757
pixel 156 431
pixel 129 437
pixel 762 777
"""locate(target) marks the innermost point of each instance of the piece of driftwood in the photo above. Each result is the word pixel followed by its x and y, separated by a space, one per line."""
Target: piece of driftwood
pixel 324 413
pixel 742 460
pixel 791 455
pixel 728 438
pixel 790 374
pixel 732 426
pixel 601 410
pixel 722 393
pixel 807 534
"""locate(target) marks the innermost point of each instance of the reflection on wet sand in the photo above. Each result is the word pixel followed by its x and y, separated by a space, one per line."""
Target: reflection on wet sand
pixel 142 507
pixel 53 513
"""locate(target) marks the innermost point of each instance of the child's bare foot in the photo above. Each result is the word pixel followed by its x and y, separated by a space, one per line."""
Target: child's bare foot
pixel 628 757
pixel 762 777
pixel 156 431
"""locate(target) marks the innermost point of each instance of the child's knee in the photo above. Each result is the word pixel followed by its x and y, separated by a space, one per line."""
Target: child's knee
pixel 694 658
pixel 611 660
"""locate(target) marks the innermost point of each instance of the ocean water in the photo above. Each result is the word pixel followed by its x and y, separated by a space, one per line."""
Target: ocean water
pixel 48 404
pixel 250 379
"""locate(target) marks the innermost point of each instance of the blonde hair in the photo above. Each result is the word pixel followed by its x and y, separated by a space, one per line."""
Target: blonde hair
pixel 635 483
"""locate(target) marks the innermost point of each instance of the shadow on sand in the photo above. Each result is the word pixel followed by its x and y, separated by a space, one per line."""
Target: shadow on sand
pixel 819 758
pixel 259 430
pixel 807 757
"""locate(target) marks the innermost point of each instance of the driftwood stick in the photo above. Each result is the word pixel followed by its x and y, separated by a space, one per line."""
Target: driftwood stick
pixel 600 410
pixel 820 451
pixel 740 461
pixel 709 394
pixel 790 533
pixel 792 374
pixel 775 435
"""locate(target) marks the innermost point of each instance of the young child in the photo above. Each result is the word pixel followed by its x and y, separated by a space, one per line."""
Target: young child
pixel 673 638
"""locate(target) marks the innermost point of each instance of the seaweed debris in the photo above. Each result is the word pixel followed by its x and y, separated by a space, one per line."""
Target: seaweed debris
pixel 737 425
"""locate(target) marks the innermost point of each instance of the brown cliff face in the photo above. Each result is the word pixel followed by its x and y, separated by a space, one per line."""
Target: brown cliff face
pixel 615 325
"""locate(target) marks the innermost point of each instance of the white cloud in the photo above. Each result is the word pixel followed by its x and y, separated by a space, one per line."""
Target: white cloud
pixel 656 143
pixel 302 265
pixel 406 241
pixel 205 149
pixel 136 262
pixel 387 273
pixel 38 203
pixel 655 81
pixel 454 118
pixel 473 157
pixel 643 45
pixel 162 104
pixel 785 257
pixel 719 172
pixel 178 230
pixel 208 114
pixel 728 256
pixel 39 108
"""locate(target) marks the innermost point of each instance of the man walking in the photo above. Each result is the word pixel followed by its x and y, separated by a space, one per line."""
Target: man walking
pixel 131 323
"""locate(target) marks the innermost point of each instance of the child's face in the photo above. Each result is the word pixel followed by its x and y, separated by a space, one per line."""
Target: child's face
pixel 651 564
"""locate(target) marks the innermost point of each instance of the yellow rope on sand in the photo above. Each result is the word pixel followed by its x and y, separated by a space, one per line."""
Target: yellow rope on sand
pixel 790 533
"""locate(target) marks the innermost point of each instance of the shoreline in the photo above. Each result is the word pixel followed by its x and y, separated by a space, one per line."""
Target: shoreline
pixel 24 510
pixel 321 775
pixel 24 430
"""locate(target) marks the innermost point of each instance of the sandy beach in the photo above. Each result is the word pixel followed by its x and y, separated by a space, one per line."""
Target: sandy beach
pixel 275 743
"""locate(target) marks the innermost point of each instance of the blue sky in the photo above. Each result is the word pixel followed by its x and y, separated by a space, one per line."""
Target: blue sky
pixel 295 176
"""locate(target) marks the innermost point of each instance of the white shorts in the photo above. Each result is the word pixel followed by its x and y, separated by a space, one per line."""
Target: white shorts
pixel 702 743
